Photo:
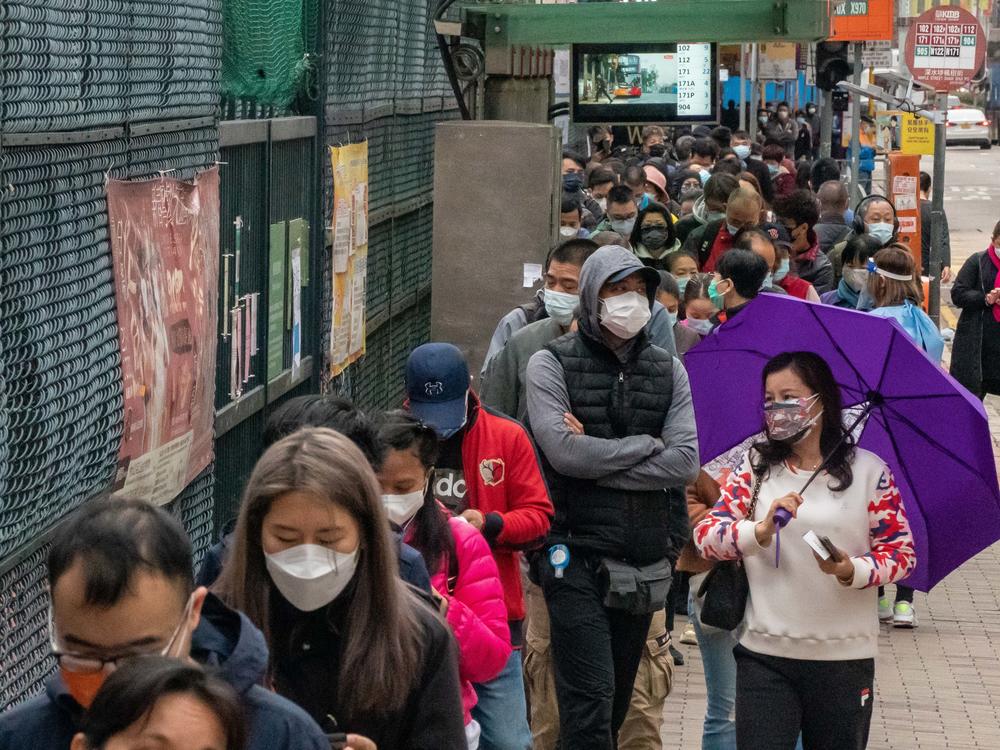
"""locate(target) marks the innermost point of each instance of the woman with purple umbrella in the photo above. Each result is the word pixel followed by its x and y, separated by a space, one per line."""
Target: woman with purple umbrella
pixel 806 654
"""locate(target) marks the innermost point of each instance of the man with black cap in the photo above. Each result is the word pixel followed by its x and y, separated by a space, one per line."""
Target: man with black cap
pixel 613 418
pixel 487 472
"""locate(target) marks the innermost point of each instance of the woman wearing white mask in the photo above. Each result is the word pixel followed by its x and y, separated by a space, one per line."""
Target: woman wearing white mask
pixel 312 566
pixel 463 573
pixel 857 251
pixel 806 655
pixel 698 306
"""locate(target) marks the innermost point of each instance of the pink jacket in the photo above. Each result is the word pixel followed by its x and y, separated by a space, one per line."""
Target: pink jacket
pixel 476 611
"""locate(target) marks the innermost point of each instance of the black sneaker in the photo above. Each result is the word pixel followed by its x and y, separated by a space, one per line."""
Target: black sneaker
pixel 678 657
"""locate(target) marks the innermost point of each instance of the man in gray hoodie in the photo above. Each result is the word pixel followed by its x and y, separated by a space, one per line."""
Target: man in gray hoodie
pixel 613 419
pixel 503 383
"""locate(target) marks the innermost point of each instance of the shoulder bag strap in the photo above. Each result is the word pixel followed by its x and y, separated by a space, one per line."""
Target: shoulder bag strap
pixel 758 480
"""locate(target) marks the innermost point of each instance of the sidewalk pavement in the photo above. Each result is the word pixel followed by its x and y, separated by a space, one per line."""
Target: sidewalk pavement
pixel 936 687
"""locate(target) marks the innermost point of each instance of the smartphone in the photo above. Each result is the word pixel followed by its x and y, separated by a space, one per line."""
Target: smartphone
pixel 831 548
pixel 816 545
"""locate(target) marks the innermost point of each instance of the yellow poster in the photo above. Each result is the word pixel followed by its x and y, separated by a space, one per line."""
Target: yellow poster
pixel 350 254
pixel 916 135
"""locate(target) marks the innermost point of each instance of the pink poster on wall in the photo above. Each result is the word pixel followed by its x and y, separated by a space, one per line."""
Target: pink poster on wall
pixel 165 249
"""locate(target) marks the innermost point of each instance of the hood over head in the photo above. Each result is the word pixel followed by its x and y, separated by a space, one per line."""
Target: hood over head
pixel 608 261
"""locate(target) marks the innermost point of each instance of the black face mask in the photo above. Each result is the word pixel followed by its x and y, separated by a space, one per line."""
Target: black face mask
pixel 654 237
pixel 657 150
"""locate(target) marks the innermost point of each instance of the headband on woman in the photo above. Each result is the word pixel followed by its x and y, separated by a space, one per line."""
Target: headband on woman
pixel 872 268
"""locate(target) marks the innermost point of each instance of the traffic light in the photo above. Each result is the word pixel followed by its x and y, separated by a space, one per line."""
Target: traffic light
pixel 832 65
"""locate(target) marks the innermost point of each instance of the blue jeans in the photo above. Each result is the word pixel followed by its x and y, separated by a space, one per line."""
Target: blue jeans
pixel 501 711
pixel 717 658
pixel 716 648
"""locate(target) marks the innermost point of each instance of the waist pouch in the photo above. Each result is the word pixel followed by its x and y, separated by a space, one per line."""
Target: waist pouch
pixel 639 591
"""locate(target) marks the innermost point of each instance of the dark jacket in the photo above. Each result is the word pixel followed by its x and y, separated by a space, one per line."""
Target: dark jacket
pixel 307 654
pixel 968 365
pixel 830 230
pixel 411 563
pixel 608 485
pixel 926 226
pixel 224 640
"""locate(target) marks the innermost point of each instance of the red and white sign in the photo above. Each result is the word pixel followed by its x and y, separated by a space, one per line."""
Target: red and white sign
pixel 945 47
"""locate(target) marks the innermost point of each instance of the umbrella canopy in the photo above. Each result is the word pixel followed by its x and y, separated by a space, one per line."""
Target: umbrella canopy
pixel 932 433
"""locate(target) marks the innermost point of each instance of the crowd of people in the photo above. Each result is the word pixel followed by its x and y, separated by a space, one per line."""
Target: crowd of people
pixel 498 563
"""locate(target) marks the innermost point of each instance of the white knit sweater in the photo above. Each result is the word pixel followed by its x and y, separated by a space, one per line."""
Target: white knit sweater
pixel 796 610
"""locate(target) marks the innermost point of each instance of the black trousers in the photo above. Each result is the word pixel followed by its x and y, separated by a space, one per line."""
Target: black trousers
pixel 903 593
pixel 595 654
pixel 829 702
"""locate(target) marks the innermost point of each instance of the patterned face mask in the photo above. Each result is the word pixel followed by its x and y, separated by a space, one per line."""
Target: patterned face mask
pixel 790 421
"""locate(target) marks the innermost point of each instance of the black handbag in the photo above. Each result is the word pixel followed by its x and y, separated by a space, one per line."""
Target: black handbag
pixel 636 590
pixel 725 589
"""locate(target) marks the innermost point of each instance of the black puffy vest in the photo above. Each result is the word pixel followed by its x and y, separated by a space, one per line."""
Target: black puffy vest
pixel 613 400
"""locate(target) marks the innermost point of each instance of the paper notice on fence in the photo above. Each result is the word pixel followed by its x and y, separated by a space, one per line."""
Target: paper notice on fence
pixel 160 475
pixel 532 273
pixel 342 245
pixel 296 310
pixel 165 255
pixel 905 202
pixel 358 303
pixel 350 268
pixel 360 198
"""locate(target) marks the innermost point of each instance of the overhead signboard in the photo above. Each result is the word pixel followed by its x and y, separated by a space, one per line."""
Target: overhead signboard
pixel 861 20
pixel 945 48
pixel 877 54
pixel 777 61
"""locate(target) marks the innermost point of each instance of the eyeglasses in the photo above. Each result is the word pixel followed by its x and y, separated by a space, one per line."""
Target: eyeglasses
pixel 79 664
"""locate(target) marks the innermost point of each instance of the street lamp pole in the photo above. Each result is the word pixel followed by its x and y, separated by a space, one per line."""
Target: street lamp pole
pixel 937 208
pixel 856 130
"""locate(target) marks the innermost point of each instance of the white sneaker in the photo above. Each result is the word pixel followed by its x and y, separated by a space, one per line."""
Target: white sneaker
pixel 884 608
pixel 903 615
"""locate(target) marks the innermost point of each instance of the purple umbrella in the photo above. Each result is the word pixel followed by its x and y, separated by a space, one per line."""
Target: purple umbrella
pixel 931 431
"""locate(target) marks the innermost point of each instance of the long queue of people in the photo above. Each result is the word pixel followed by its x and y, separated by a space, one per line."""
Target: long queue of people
pixel 499 565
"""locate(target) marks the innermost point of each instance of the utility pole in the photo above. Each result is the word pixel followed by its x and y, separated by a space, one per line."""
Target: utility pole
pixel 937 208
pixel 743 86
pixel 826 124
pixel 855 186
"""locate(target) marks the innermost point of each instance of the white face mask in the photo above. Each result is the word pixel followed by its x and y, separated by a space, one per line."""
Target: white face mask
pixel 561 306
pixel 603 203
pixel 626 314
pixel 568 232
pixel 704 327
pixel 624 227
pixel 402 508
pixel 856 278
pixel 310 576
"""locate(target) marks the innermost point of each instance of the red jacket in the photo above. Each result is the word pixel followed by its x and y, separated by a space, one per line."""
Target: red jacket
pixel 504 483
pixel 795 286
pixel 723 244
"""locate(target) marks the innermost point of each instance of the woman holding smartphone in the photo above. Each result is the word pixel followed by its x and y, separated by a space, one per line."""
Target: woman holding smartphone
pixel 805 661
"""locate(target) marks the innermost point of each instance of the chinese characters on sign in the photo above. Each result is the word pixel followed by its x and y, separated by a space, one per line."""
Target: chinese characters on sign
pixel 165 253
pixel 945 48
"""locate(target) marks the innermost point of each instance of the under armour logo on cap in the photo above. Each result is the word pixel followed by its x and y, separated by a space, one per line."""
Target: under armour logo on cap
pixel 434 389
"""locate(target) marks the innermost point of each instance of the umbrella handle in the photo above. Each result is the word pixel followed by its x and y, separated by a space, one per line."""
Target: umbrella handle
pixel 850 431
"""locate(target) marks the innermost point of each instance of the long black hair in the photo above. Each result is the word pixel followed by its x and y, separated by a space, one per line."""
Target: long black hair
pixel 133 690
pixel 817 376
pixel 431 536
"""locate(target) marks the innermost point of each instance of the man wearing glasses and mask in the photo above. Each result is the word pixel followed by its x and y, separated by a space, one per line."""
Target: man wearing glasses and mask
pixel 121 585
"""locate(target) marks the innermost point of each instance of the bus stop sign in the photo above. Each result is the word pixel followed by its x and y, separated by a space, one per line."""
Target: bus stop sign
pixel 945 47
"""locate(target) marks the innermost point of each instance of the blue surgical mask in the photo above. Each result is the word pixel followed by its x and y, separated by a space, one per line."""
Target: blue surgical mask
pixel 732 230
pixel 715 296
pixel 704 175
pixel 742 151
pixel 682 283
pixel 697 325
pixel 572 182
pixel 881 231
pixel 773 169
pixel 561 306
pixel 783 268
pixel 624 227
pixel 768 282
pixel 672 317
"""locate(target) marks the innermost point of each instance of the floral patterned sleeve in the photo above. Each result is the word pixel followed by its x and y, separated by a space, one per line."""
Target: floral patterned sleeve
pixel 892 556
pixel 718 535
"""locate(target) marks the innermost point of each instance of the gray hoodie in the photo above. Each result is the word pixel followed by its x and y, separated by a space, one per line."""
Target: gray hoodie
pixel 635 462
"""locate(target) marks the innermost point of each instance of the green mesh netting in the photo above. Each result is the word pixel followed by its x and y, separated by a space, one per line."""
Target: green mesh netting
pixel 265 64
